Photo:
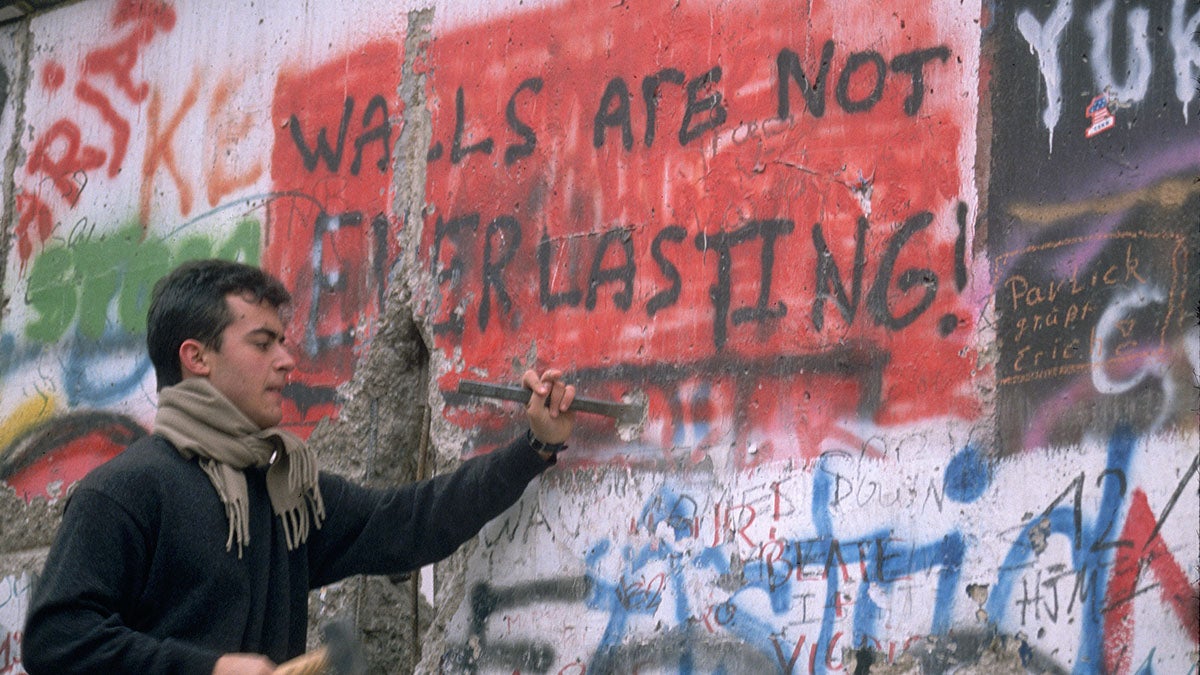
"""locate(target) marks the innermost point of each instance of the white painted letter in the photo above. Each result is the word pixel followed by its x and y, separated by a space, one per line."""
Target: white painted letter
pixel 1043 41
pixel 1187 54
pixel 1138 63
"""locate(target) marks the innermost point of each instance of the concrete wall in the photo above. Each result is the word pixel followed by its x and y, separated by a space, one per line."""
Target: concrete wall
pixel 909 291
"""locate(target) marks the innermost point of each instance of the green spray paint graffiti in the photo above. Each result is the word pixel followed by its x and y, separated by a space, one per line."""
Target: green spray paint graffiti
pixel 83 275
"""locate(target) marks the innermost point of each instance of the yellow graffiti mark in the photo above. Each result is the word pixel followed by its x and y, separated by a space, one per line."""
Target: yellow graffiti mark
pixel 1168 194
pixel 27 415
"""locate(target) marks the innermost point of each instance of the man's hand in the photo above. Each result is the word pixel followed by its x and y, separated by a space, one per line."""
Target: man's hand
pixel 550 418
pixel 244 664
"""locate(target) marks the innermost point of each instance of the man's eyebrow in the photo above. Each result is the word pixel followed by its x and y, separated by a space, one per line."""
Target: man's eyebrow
pixel 267 333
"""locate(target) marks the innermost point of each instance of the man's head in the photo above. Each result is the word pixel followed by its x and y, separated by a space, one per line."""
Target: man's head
pixel 221 320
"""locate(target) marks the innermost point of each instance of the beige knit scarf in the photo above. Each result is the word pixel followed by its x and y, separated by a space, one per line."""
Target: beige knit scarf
pixel 200 422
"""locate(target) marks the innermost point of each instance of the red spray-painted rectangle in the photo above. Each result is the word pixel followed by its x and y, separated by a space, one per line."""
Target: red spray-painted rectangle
pixel 330 238
pixel 757 196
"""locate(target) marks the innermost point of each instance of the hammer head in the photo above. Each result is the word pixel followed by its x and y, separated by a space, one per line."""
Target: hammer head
pixel 344 651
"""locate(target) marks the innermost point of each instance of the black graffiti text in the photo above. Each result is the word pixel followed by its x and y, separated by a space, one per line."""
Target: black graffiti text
pixel 696 100
pixel 486 269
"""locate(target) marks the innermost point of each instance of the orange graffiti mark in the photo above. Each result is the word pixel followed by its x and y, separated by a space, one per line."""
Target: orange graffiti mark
pixel 229 130
pixel 159 151
pixel 1170 193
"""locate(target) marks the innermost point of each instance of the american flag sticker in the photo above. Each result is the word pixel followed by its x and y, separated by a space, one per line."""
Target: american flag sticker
pixel 1099 114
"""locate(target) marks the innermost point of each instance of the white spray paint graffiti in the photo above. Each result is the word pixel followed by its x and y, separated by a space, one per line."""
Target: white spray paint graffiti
pixel 1110 328
pixel 1139 64
pixel 1187 53
pixel 14 598
pixel 1045 40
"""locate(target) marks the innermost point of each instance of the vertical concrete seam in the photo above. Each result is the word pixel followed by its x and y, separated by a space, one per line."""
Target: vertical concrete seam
pixel 409 203
pixel 17 87
pixel 408 185
pixel 411 148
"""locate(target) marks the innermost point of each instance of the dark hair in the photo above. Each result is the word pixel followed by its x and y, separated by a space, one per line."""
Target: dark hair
pixel 189 304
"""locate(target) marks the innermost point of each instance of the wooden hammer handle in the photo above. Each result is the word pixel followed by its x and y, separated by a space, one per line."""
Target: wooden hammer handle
pixel 310 663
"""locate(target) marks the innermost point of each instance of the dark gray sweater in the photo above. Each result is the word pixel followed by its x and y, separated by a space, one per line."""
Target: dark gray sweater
pixel 139 581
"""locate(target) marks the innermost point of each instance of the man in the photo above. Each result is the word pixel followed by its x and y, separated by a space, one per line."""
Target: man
pixel 193 551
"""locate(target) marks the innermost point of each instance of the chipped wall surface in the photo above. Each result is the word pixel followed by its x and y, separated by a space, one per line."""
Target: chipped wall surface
pixel 909 291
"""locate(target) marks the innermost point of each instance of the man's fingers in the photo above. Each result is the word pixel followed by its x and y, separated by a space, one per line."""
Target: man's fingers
pixel 550 378
pixel 565 398
pixel 548 390
pixel 542 385
pixel 550 416
pixel 531 381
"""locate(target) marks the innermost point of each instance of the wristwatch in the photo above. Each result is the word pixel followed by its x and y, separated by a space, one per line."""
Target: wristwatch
pixel 539 446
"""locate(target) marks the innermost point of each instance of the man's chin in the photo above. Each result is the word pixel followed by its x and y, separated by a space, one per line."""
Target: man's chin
pixel 268 420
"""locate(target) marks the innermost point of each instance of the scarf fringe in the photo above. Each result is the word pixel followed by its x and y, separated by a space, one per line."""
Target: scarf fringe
pixel 297 521
pixel 202 423
pixel 237 511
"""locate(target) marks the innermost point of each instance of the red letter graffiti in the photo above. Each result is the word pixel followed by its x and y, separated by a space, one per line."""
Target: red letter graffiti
pixel 74 158
pixel 159 151
pixel 1148 552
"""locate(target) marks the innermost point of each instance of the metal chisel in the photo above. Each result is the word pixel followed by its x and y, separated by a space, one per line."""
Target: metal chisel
pixel 624 413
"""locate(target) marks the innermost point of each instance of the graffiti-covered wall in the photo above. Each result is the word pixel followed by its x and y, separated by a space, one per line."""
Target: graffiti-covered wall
pixel 908 293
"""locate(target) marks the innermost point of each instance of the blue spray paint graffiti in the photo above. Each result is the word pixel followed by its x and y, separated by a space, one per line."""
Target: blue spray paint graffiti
pixel 967 477
pixel 1091 552
pixel 670 599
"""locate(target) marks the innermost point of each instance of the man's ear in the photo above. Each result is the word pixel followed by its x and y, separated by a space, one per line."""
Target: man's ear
pixel 193 359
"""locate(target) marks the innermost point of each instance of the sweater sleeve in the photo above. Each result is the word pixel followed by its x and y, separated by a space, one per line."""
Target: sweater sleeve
pixel 370 531
pixel 75 622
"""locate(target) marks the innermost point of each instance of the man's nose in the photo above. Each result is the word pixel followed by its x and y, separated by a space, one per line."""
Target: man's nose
pixel 284 360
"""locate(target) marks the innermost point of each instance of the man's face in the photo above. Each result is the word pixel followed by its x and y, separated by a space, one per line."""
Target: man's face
pixel 253 364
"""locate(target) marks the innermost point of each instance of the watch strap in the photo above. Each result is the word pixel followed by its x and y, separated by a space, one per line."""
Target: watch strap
pixel 541 446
